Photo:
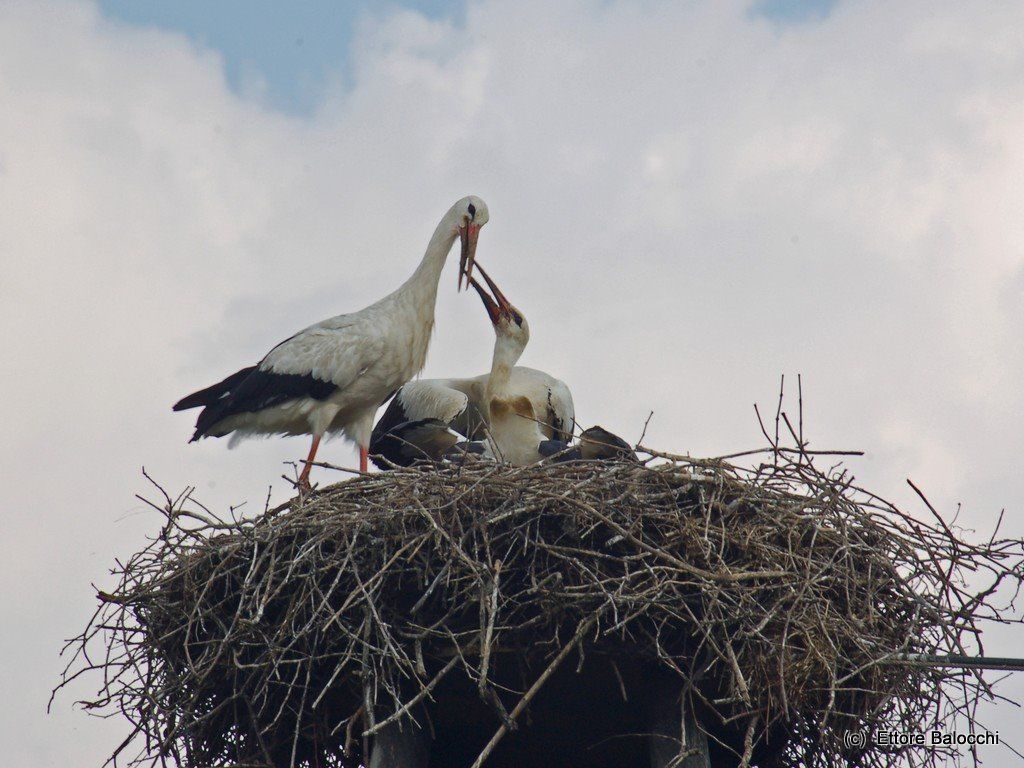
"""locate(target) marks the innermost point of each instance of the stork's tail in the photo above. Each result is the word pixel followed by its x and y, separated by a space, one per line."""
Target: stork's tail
pixel 213 393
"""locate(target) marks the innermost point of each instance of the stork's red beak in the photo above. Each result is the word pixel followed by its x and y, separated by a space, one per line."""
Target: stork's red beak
pixel 493 311
pixel 496 306
pixel 468 234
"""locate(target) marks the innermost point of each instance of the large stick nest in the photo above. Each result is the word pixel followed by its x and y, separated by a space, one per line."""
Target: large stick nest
pixel 789 605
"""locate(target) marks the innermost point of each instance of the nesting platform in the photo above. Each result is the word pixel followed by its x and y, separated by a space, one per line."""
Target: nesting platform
pixel 544 615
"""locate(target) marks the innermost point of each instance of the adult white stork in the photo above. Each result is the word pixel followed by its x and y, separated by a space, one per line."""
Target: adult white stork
pixel 332 376
pixel 513 407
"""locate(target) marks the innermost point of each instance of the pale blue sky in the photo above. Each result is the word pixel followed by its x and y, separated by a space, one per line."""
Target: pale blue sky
pixel 296 49
pixel 290 52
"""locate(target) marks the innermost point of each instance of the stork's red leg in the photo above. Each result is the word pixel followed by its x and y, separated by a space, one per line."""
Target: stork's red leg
pixel 364 455
pixel 304 477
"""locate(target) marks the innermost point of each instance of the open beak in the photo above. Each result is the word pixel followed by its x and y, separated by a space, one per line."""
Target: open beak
pixel 495 306
pixel 468 234
pixel 489 304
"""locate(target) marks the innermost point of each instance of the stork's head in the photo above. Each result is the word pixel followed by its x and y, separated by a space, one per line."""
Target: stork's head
pixel 470 213
pixel 509 323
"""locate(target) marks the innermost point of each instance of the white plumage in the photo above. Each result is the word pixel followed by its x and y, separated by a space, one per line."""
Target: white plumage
pixel 332 376
pixel 513 407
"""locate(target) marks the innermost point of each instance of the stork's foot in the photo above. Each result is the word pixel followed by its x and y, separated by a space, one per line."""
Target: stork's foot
pixel 303 484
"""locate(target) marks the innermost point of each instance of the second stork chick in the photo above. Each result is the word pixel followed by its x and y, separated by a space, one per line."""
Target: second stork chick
pixel 512 409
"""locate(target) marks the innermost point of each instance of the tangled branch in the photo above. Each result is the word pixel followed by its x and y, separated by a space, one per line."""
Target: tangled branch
pixel 789 603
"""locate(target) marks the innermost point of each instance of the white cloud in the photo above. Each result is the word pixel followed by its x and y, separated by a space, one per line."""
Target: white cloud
pixel 687 200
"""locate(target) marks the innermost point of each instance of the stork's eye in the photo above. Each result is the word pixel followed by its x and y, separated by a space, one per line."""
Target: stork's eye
pixel 518 318
pixel 472 210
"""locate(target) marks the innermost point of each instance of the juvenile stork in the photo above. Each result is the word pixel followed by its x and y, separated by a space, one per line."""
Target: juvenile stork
pixel 512 407
pixel 332 376
pixel 595 444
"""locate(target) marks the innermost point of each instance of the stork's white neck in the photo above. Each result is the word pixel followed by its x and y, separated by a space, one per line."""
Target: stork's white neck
pixel 507 352
pixel 424 280
pixel 512 427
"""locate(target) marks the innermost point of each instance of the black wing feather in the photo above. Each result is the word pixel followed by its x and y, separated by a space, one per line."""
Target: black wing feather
pixel 393 415
pixel 560 449
pixel 412 442
pixel 559 429
pixel 258 390
pixel 213 393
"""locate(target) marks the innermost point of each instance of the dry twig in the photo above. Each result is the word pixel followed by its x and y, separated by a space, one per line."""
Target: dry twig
pixel 783 597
